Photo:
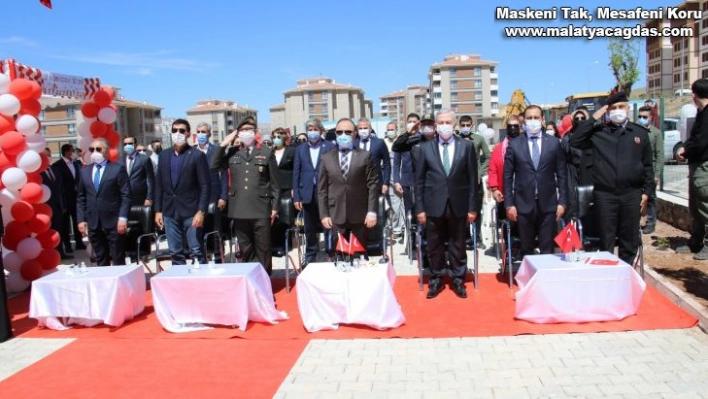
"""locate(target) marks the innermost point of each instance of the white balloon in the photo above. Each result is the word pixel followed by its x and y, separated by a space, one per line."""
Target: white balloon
pixel 36 142
pixel 481 128
pixel 29 161
pixel 89 121
pixel 85 143
pixel 6 212
pixel 28 125
pixel 107 115
pixel 46 194
pixel 15 283
pixel 4 84
pixel 84 129
pixel 488 133
pixel 12 261
pixel 14 178
pixel 29 248
pixel 9 104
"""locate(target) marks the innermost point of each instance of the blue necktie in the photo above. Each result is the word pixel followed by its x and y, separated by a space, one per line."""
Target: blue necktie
pixel 535 152
pixel 97 177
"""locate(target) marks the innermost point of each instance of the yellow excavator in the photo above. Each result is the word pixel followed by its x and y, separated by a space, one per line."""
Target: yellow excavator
pixel 517 105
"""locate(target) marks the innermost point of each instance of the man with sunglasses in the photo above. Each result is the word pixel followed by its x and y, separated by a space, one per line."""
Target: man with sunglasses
pixel 103 205
pixel 139 169
pixel 182 195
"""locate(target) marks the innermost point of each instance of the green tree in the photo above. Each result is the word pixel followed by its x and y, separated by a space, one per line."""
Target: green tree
pixel 624 56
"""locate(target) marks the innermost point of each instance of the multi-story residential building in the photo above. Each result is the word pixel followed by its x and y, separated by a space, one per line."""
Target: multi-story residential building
pixel 466 84
pixel 223 116
pixel 674 62
pixel 61 116
pixel 321 98
pixel 397 105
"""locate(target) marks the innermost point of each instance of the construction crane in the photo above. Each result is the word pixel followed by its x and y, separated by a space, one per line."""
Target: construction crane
pixel 517 105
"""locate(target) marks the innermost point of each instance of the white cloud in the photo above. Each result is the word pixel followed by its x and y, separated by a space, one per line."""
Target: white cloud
pixel 140 71
pixel 18 40
pixel 142 62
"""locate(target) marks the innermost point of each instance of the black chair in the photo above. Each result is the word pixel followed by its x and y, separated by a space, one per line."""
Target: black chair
pixel 508 237
pixel 213 240
pixel 295 235
pixel 285 220
pixel 375 236
pixel 140 234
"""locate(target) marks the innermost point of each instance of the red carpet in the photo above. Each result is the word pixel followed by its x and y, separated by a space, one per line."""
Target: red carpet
pixel 151 368
pixel 487 312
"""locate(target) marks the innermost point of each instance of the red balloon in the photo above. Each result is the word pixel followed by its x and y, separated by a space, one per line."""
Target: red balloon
pixel 31 270
pixel 45 162
pixel 44 209
pixel 40 223
pixel 30 107
pixel 23 89
pixel 98 128
pixel 34 177
pixel 110 91
pixel 90 109
pixel 6 161
pixel 31 192
pixel 113 155
pixel 49 258
pixel 14 233
pixel 7 123
pixel 102 98
pixel 22 211
pixel 36 92
pixel 49 239
pixel 113 138
pixel 12 142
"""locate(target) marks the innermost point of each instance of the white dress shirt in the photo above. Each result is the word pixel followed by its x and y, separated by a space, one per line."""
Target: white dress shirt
pixel 71 166
pixel 450 148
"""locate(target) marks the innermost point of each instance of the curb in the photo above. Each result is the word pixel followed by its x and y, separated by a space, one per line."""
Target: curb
pixel 678 297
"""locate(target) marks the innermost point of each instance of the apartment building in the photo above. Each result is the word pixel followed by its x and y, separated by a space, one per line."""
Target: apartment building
pixel 397 105
pixel 61 116
pixel 466 84
pixel 222 115
pixel 673 63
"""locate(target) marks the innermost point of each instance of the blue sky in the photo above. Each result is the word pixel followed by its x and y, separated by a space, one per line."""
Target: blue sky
pixel 175 53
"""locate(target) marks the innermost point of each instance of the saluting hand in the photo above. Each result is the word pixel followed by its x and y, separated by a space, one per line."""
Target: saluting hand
pixel 229 139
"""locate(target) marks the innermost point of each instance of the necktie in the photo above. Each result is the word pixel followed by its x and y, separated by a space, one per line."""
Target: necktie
pixel 344 164
pixel 446 158
pixel 97 177
pixel 51 175
pixel 365 145
pixel 130 165
pixel 535 152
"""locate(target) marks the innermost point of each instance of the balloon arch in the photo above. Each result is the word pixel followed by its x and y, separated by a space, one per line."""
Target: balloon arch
pixel 29 244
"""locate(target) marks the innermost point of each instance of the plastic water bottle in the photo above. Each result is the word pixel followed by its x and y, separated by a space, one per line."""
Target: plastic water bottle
pixel 212 262
pixel 362 261
pixel 84 269
pixel 195 263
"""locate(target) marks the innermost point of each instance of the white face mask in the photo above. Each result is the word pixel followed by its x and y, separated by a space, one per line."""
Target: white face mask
pixel 179 139
pixel 390 134
pixel 364 134
pixel 428 131
pixel 618 116
pixel 97 157
pixel 247 137
pixel 445 131
pixel 533 126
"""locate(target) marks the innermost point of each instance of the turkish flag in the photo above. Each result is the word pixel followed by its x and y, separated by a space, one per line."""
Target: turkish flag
pixel 568 239
pixel 46 3
pixel 604 262
pixel 355 245
pixel 343 245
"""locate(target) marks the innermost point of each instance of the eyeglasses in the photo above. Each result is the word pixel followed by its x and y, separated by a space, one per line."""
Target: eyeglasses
pixel 128 143
pixel 179 130
pixel 340 132
pixel 95 149
pixel 579 118
pixel 512 126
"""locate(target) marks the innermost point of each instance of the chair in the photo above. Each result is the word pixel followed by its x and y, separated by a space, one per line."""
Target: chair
pixel 374 246
pixel 140 235
pixel 236 255
pixel 387 237
pixel 508 239
pixel 284 221
pixel 299 240
pixel 475 255
pixel 213 240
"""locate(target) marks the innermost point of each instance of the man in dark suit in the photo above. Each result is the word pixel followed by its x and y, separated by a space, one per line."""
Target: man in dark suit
pixel 104 205
pixel 219 184
pixel 52 179
pixel 182 195
pixel 366 140
pixel 446 200
pixel 139 169
pixel 535 184
pixel 68 169
pixel 254 195
pixel 348 186
pixel 305 175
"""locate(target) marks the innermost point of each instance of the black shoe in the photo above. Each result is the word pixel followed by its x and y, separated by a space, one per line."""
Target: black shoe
pixel 458 286
pixel 648 229
pixel 481 246
pixel 434 288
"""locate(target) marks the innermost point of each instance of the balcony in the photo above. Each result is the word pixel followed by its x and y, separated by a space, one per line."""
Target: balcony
pixel 495 112
pixel 436 77
pixel 494 87
pixel 494 99
pixel 494 76
pixel 437 89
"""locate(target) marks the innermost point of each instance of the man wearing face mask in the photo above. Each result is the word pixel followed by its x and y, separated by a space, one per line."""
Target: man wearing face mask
pixel 378 151
pixel 103 205
pixel 219 185
pixel 481 149
pixel 139 169
pixel 254 195
pixel 535 184
pixel 656 138
pixel 395 199
pixel 182 189
pixel 403 170
pixel 156 148
pixel 622 172
pixel 348 187
pixel 305 173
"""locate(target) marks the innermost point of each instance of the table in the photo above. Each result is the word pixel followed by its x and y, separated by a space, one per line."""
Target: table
pixel 327 297
pixel 231 294
pixel 553 290
pixel 109 295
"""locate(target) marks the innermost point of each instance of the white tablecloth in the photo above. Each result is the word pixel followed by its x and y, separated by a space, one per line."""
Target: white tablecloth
pixel 109 295
pixel 327 297
pixel 230 294
pixel 553 290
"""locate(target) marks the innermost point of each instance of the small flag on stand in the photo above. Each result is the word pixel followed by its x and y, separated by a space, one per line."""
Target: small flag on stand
pixel 46 3
pixel 354 245
pixel 343 245
pixel 568 239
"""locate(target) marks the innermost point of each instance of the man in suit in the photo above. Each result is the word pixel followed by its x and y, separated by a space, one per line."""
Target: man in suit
pixel 305 176
pixel 156 148
pixel 535 184
pixel 348 186
pixel 446 200
pixel 219 184
pixel 104 205
pixel 139 169
pixel 68 169
pixel 367 141
pixel 254 195
pixel 52 179
pixel 182 195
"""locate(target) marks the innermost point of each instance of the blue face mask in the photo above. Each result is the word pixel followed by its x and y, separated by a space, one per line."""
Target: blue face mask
pixel 129 149
pixel 643 121
pixel 202 138
pixel 277 141
pixel 344 141
pixel 313 136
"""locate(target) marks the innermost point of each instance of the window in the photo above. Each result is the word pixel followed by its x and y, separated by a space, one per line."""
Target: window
pixel 704 57
pixel 453 72
pixel 477 71
pixel 453 85
pixel 477 95
pixel 453 96
pixel 704 72
pixel 72 128
pixel 477 83
pixel 70 113
pixel 494 93
pixel 495 105
pixel 310 95
pixel 41 115
pixel 324 95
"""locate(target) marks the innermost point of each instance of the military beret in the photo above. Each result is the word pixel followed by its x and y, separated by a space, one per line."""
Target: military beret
pixel 619 97
pixel 427 117
pixel 249 120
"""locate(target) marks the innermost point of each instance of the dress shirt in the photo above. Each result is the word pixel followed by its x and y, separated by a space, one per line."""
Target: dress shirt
pixel 71 166
pixel 450 148
pixel 100 177
pixel 530 142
